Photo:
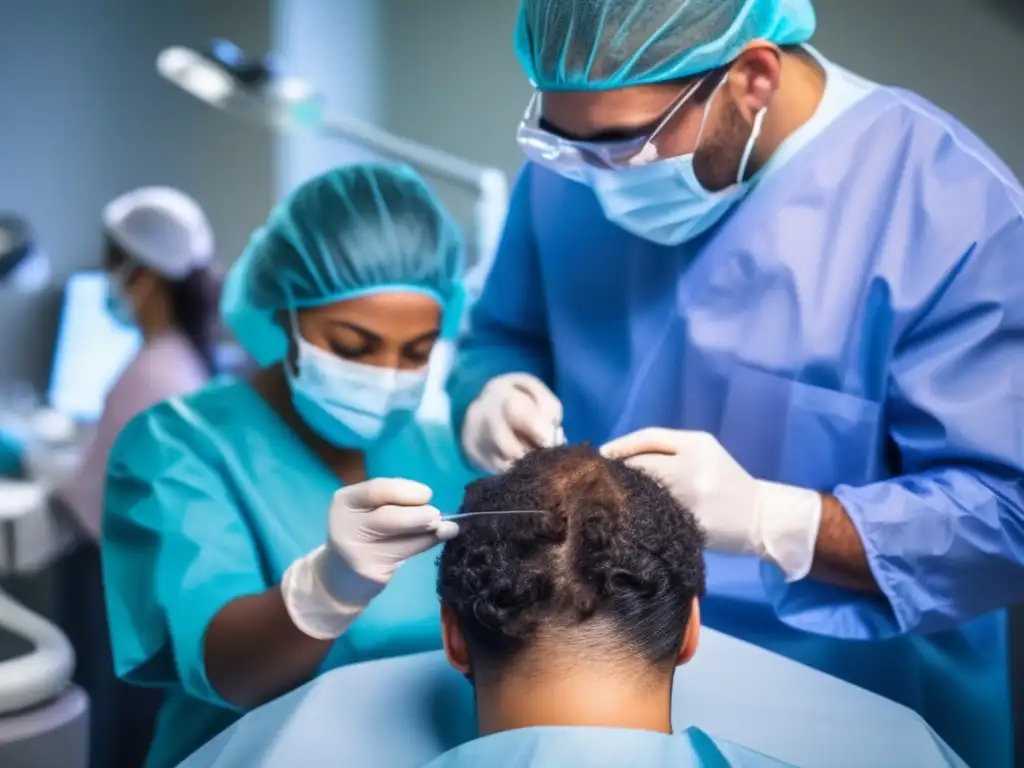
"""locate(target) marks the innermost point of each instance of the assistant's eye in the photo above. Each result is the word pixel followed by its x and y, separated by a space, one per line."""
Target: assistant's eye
pixel 416 359
pixel 352 353
pixel 418 354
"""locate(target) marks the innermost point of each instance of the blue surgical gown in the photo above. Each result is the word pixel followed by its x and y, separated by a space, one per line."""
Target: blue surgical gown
pixel 210 497
pixel 559 747
pixel 856 326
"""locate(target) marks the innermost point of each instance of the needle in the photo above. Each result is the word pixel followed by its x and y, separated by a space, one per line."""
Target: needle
pixel 464 515
pixel 559 437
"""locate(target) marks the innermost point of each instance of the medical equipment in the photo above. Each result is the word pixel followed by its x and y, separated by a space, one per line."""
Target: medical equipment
pixel 811 372
pixel 463 515
pixel 24 266
pixel 92 348
pixel 559 437
pixel 226 78
pixel 43 720
pixel 408 711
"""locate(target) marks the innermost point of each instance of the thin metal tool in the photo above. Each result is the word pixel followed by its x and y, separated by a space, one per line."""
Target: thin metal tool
pixel 494 512
pixel 559 436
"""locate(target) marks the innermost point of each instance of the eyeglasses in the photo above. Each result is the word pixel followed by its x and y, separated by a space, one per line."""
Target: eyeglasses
pixel 571 158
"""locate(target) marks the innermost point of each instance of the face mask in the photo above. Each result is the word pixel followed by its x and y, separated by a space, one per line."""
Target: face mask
pixel 664 202
pixel 119 306
pixel 352 405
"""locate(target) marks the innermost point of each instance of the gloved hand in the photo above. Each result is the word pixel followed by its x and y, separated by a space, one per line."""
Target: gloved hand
pixel 515 413
pixel 740 514
pixel 373 527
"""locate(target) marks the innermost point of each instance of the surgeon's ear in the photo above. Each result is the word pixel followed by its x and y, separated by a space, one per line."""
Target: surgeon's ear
pixel 754 78
pixel 453 640
pixel 690 636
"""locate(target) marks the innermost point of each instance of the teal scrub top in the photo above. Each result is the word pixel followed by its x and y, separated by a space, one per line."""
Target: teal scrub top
pixel 211 497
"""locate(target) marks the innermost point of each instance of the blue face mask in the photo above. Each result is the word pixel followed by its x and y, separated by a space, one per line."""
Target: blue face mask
pixel 352 405
pixel 119 306
pixel 664 202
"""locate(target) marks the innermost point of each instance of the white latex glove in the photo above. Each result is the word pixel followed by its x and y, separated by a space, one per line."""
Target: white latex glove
pixel 373 527
pixel 740 514
pixel 514 414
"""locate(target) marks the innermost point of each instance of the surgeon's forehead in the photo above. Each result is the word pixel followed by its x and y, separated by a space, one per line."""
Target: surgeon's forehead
pixel 586 114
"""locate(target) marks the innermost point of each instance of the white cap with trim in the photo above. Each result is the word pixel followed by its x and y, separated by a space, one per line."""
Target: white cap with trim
pixel 161 228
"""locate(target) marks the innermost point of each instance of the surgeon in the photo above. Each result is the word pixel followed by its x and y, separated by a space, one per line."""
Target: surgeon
pixel 235 568
pixel 793 296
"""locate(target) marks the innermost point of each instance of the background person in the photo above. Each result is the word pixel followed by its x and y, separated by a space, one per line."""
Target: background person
pixel 159 258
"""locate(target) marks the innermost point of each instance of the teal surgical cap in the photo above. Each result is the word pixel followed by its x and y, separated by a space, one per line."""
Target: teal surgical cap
pixel 352 231
pixel 592 45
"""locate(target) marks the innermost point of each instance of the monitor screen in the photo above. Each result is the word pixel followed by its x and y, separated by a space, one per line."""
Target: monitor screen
pixel 91 350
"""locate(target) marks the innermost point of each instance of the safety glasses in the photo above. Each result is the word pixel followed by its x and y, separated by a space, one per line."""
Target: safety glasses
pixel 572 158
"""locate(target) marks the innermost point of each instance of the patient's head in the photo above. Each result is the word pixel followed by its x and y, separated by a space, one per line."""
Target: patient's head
pixel 602 588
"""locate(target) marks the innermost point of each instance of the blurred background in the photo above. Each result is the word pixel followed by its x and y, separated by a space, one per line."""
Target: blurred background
pixel 85 116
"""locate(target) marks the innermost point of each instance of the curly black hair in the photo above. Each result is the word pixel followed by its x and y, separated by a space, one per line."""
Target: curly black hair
pixel 614 562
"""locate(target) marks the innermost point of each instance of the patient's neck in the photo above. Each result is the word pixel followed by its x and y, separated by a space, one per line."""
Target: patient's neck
pixel 589 696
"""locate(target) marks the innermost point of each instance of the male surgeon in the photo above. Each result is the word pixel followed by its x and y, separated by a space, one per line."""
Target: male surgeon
pixel 794 297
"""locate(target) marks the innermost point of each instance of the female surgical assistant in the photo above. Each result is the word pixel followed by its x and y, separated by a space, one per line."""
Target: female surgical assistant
pixel 235 568
pixel 792 295
pixel 159 261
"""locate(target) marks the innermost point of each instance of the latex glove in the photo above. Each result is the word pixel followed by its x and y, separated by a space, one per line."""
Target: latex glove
pixel 373 527
pixel 740 514
pixel 514 414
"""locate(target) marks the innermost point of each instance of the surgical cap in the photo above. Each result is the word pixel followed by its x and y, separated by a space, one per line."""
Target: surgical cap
pixel 161 228
pixel 591 45
pixel 352 231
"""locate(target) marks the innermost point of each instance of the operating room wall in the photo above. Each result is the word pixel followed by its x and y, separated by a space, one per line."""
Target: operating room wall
pixel 334 44
pixel 85 117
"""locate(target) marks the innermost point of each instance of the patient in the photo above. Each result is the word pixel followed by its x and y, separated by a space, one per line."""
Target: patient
pixel 570 623
pixel 578 616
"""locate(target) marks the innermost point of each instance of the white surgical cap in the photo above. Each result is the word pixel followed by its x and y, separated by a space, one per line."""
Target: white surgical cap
pixel 161 228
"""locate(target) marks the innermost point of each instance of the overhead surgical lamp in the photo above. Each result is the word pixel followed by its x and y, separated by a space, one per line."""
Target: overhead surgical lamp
pixel 24 266
pixel 255 89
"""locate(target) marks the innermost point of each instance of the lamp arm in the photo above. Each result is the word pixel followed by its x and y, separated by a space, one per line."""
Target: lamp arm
pixel 436 162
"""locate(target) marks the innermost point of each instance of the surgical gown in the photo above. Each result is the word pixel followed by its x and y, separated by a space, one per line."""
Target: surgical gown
pixel 856 326
pixel 211 497
pixel 601 748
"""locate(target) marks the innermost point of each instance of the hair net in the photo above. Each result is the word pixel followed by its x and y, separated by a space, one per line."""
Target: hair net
pixel 354 230
pixel 161 228
pixel 589 45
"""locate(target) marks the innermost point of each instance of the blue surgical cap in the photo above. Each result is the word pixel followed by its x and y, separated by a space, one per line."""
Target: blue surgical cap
pixel 352 231
pixel 591 45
